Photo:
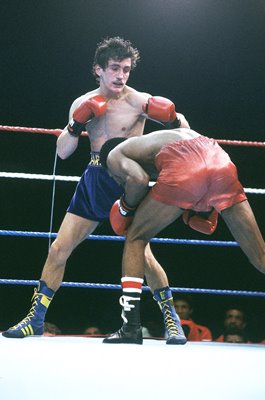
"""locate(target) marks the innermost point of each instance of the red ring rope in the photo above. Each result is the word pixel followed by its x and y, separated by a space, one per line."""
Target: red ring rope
pixel 57 132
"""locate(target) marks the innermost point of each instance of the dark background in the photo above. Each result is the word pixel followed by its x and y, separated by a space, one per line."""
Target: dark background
pixel 208 57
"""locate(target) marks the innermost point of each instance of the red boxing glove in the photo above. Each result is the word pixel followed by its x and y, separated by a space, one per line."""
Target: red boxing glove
pixel 95 106
pixel 160 109
pixel 121 216
pixel 203 222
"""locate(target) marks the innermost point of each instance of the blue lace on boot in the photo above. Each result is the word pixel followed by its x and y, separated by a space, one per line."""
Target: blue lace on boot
pixel 175 333
pixel 33 323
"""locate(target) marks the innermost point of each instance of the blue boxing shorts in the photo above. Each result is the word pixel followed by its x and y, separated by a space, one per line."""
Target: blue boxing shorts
pixel 95 193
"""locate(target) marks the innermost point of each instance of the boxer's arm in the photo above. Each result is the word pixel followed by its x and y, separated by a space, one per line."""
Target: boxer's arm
pixel 160 109
pixel 94 106
pixel 135 189
pixel 130 175
pixel 183 122
pixel 66 144
pixel 179 122
pixel 163 110
pixel 81 110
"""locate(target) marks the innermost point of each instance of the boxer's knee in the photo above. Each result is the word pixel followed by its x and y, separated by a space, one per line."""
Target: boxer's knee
pixel 59 252
pixel 134 235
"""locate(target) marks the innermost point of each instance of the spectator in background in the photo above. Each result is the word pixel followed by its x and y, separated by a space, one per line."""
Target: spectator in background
pixel 193 331
pixel 235 317
pixel 51 329
pixel 92 330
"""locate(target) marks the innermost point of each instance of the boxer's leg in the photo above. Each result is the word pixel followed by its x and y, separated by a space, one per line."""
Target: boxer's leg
pixel 151 217
pixel 243 226
pixel 158 282
pixel 73 231
pixel 153 271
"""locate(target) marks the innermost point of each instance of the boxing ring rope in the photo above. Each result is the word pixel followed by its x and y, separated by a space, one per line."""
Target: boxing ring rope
pixel 144 288
pixel 57 132
pixel 64 178
pixel 121 238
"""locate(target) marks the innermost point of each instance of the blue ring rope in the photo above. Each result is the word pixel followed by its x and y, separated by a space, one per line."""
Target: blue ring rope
pixel 145 288
pixel 121 238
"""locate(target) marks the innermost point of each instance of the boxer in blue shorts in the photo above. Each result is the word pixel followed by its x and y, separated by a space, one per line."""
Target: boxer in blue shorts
pixel 113 109
pixel 95 193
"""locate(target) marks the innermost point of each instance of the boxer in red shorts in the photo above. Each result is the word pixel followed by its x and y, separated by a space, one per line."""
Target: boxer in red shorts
pixel 194 174
pixel 209 181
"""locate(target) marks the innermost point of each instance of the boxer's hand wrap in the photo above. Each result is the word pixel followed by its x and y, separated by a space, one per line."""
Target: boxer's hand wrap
pixel 75 128
pixel 203 222
pixel 121 216
pixel 160 109
pixel 96 106
pixel 173 125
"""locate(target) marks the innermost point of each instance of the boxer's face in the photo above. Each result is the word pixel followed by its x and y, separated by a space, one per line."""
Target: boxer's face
pixel 114 77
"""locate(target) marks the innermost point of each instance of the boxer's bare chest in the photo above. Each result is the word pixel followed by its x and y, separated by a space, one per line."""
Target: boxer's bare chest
pixel 121 119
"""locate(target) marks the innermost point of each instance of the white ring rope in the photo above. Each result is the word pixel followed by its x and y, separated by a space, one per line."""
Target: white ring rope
pixel 39 176
pixel 76 179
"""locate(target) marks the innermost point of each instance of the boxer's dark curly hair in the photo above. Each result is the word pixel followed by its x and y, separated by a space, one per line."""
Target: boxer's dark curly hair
pixel 107 147
pixel 117 49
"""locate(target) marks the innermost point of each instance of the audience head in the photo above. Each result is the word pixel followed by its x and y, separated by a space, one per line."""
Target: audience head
pixel 92 330
pixel 51 329
pixel 183 306
pixel 235 317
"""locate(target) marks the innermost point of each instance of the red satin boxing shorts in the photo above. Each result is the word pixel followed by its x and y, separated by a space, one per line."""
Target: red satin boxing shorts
pixel 196 174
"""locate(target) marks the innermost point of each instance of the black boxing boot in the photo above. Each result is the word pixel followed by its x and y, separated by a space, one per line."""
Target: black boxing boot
pixel 131 330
